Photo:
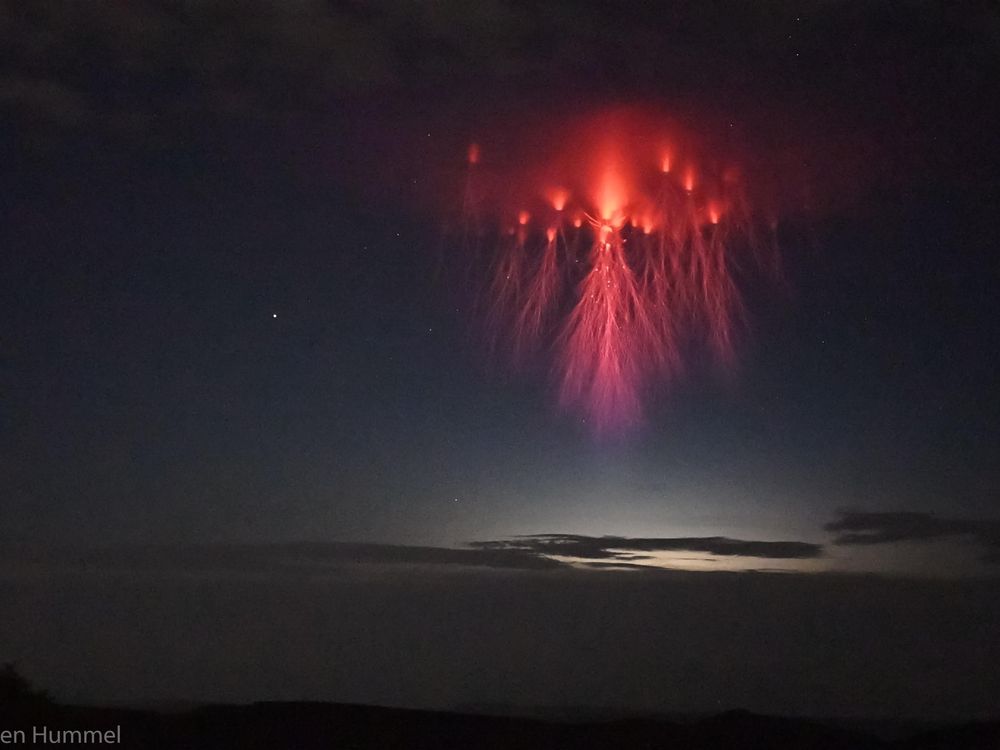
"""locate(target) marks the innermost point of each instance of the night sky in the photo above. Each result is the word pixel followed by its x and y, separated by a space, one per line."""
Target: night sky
pixel 225 322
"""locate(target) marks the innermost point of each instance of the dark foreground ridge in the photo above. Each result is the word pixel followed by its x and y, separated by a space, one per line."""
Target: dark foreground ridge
pixel 329 725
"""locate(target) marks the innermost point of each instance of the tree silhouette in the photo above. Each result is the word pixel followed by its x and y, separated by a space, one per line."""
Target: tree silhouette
pixel 16 689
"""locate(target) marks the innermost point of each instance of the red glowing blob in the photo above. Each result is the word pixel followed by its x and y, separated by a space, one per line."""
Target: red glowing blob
pixel 689 179
pixel 558 198
pixel 610 193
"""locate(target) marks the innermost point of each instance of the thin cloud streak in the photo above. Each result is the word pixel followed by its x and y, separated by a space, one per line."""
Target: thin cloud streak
pixel 539 553
pixel 625 548
pixel 857 528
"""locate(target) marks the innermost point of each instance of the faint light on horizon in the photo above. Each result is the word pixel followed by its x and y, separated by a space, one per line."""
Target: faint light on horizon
pixel 684 560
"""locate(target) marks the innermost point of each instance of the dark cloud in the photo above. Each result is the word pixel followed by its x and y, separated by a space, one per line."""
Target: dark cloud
pixel 625 548
pixel 256 57
pixel 349 91
pixel 294 558
pixel 306 558
pixel 601 565
pixel 864 528
pixel 261 56
pixel 172 59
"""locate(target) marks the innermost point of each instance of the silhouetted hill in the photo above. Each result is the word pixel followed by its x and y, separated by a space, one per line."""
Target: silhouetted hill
pixel 325 725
